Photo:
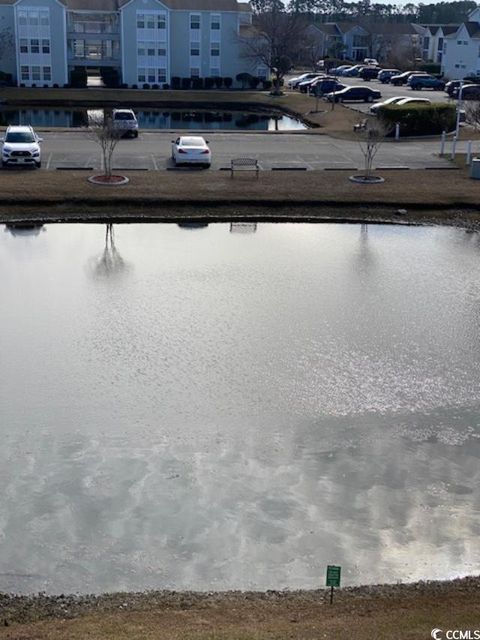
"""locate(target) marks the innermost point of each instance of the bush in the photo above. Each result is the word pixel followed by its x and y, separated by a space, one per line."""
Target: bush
pixel 186 83
pixel 124 86
pixel 267 85
pixel 197 83
pixel 155 86
pixel 218 82
pixel 110 77
pixel 209 83
pixel 78 77
pixel 227 82
pixel 55 85
pixel 419 120
pixel 176 82
pixel 431 67
pixel 134 86
pixel 244 78
pixel 145 85
pixel 165 86
pixel 253 82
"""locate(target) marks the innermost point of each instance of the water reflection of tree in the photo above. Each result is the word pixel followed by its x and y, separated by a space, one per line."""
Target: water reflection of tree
pixel 110 263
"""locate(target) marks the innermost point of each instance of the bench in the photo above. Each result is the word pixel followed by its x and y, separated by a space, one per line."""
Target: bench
pixel 244 163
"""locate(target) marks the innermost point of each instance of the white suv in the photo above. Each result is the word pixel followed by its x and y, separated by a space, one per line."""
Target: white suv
pixel 125 120
pixel 21 145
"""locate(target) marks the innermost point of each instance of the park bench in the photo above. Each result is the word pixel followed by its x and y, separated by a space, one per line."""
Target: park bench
pixel 244 164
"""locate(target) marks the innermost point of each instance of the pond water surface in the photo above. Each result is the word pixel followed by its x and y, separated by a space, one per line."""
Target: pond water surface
pixel 235 407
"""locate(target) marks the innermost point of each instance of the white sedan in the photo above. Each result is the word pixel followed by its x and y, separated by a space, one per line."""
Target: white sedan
pixel 191 150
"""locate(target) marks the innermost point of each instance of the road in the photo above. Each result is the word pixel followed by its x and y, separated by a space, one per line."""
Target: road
pixel 151 151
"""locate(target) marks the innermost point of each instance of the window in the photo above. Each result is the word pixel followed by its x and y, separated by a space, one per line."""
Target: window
pixel 459 42
pixel 161 22
pixel 141 50
pixel 35 73
pixel 194 72
pixel 22 17
pixel 142 75
pixel 262 72
pixel 44 18
pixel 23 45
pixel 215 50
pixel 47 74
pixel 215 22
pixel 162 51
pixel 45 46
pixel 444 47
pixel 140 21
pixel 33 18
pixel 215 72
pixel 24 72
pixel 162 75
pixel 194 50
pixel 150 22
pixel 34 46
pixel 151 51
pixel 440 44
pixel 151 75
pixel 195 21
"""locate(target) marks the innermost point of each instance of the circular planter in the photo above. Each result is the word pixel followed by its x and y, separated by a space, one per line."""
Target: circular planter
pixel 366 179
pixel 109 181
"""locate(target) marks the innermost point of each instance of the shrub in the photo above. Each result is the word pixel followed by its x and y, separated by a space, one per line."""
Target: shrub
pixel 145 85
pixel 165 86
pixel 134 86
pixel 186 83
pixel 253 82
pixel 110 77
pixel 431 67
pixel 55 85
pixel 78 77
pixel 176 82
pixel 197 83
pixel 124 86
pixel 267 85
pixel 218 82
pixel 209 83
pixel 33 85
pixel 419 120
pixel 227 82
pixel 155 86
pixel 244 78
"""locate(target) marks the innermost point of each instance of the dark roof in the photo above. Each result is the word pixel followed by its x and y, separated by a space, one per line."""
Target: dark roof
pixel 186 5
pixel 328 28
pixel 473 29
pixel 393 28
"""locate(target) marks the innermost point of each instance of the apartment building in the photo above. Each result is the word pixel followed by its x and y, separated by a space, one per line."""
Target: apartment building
pixel 461 49
pixel 145 41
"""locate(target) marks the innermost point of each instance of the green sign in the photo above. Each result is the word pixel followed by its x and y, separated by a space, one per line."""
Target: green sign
pixel 333 575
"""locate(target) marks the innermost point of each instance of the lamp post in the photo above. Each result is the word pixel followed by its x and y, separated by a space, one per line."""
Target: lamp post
pixel 457 124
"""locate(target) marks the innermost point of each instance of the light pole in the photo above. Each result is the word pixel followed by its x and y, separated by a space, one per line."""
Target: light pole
pixel 459 105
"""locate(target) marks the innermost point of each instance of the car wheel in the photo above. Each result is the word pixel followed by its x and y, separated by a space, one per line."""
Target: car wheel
pixel 38 165
pixel 369 99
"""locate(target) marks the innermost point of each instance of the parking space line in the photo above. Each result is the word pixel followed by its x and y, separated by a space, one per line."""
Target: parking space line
pixel 48 161
pixel 155 166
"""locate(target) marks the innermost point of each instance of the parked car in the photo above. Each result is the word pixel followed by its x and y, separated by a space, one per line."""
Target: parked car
pixel 417 82
pixel 125 120
pixel 305 85
pixel 369 73
pixel 384 75
pixel 402 78
pixel 337 71
pixel 352 72
pixel 354 94
pixel 21 145
pixel 326 85
pixel 191 150
pixel 469 92
pixel 370 61
pixel 395 100
pixel 294 82
pixel 408 101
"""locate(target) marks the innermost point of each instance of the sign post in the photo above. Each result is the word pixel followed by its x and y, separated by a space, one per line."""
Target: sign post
pixel 333 578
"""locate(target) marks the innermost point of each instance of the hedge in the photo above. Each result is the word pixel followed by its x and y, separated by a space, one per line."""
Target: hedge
pixel 419 119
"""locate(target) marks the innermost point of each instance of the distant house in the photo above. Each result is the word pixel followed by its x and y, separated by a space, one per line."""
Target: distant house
pixel 433 40
pixel 363 39
pixel 461 48
pixel 144 41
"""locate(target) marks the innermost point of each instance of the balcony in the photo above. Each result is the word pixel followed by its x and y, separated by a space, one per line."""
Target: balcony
pixel 98 24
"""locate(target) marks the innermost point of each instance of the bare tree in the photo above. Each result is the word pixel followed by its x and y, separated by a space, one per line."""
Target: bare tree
pixel 101 129
pixel 472 113
pixel 371 133
pixel 276 41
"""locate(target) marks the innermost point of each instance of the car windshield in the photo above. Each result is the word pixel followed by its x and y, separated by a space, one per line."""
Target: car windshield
pixel 124 115
pixel 192 142
pixel 19 136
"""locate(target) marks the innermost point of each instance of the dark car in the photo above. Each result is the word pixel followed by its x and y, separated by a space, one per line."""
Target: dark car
pixel 326 85
pixel 354 94
pixel 306 85
pixel 469 92
pixel 384 75
pixel 403 77
pixel 369 73
pixel 418 82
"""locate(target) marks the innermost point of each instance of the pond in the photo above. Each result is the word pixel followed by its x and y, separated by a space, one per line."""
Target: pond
pixel 237 406
pixel 157 119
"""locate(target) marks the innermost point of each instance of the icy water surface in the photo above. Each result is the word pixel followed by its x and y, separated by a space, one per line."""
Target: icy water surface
pixel 235 407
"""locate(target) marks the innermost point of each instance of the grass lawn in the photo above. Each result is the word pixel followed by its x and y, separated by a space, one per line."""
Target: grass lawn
pixel 429 196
